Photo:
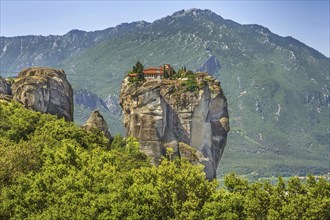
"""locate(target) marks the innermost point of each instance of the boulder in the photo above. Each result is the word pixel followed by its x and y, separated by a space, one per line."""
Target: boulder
pixel 5 90
pixel 5 87
pixel 45 90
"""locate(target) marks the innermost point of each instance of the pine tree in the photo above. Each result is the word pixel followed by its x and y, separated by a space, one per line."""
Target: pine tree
pixel 166 75
pixel 139 70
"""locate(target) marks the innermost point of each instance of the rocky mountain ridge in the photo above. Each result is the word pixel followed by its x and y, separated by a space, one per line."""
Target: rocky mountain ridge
pixel 53 50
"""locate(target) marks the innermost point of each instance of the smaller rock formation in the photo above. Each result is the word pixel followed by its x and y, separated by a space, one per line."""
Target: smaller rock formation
pixel 96 120
pixel 45 90
pixel 4 86
pixel 5 90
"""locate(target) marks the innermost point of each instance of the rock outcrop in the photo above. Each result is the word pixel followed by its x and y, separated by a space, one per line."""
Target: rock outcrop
pixel 96 120
pixel 5 90
pixel 45 90
pixel 162 113
pixel 5 87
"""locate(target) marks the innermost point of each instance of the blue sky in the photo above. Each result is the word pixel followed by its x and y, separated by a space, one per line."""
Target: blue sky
pixel 307 21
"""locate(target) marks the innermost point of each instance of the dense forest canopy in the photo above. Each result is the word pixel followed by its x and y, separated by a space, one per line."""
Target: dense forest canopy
pixel 53 169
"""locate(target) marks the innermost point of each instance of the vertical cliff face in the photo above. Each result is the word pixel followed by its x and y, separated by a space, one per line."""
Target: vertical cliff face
pixel 45 90
pixel 162 113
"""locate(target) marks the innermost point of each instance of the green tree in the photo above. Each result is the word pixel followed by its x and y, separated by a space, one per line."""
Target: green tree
pixel 258 200
pixel 166 73
pixel 235 184
pixel 191 83
pixel 224 205
pixel 173 190
pixel 138 69
pixel 118 142
pixel 173 74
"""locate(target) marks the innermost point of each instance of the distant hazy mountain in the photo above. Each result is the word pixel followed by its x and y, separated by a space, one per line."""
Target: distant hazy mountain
pixel 277 87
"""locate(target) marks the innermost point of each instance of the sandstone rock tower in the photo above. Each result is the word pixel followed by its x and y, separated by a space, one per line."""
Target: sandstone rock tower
pixel 45 90
pixel 163 112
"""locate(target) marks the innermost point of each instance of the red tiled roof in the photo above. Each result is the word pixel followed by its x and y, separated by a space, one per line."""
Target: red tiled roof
pixel 153 68
pixel 151 71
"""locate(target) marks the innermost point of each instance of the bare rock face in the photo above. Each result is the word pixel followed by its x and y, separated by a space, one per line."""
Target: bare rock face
pixel 183 151
pixel 5 90
pixel 96 120
pixel 163 113
pixel 45 90
pixel 5 87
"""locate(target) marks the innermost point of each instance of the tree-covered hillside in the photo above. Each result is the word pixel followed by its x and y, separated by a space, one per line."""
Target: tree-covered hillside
pixel 52 169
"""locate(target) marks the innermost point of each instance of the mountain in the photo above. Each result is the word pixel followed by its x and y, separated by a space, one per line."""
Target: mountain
pixel 277 87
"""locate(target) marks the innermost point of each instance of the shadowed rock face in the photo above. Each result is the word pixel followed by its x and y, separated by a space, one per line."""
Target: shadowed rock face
pixel 4 86
pixel 45 90
pixel 5 90
pixel 162 114
pixel 96 120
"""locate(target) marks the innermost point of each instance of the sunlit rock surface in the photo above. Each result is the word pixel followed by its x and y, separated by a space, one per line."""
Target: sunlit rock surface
pixel 45 90
pixel 96 120
pixel 162 113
